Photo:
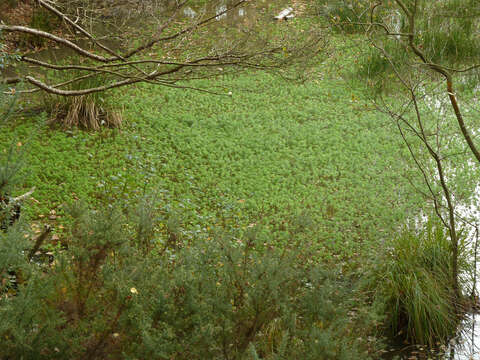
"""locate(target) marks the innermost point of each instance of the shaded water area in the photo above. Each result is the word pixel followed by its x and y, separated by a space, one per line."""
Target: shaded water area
pixel 464 346
pixel 148 14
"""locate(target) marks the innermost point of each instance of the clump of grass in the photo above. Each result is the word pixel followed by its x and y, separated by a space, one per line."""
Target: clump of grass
pixel 452 40
pixel 350 16
pixel 84 112
pixel 414 287
pixel 343 14
pixel 448 31
pixel 88 112
pixel 377 64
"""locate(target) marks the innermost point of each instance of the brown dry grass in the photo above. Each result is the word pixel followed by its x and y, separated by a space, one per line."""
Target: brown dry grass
pixel 84 113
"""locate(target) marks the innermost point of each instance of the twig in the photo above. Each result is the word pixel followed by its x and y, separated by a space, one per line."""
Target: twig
pixel 22 197
pixel 40 239
pixel 46 35
pixel 474 288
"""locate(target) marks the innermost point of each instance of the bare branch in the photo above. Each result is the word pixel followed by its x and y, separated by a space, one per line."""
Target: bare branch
pixel 23 197
pixel 156 40
pixel 76 26
pixel 39 241
pixel 53 90
pixel 46 35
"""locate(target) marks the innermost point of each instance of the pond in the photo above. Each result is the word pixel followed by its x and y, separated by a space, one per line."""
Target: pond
pixel 463 347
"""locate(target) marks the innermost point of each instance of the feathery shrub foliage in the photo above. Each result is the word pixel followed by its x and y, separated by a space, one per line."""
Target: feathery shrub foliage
pixel 12 262
pixel 10 163
pixel 107 295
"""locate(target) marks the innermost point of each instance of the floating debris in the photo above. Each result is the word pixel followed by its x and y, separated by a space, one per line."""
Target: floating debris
pixel 285 14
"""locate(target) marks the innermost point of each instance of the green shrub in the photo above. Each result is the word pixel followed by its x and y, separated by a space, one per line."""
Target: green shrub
pixel 226 297
pixel 10 162
pixel 10 167
pixel 5 57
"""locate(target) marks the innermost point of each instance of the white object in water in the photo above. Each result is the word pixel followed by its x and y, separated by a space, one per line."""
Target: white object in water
pixel 221 12
pixel 285 14
pixel 188 11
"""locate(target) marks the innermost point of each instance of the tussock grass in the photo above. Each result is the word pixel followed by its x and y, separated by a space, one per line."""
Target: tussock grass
pixel 85 113
pixel 413 287
pixel 377 66
pixel 89 112
pixel 343 14
pixel 448 30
